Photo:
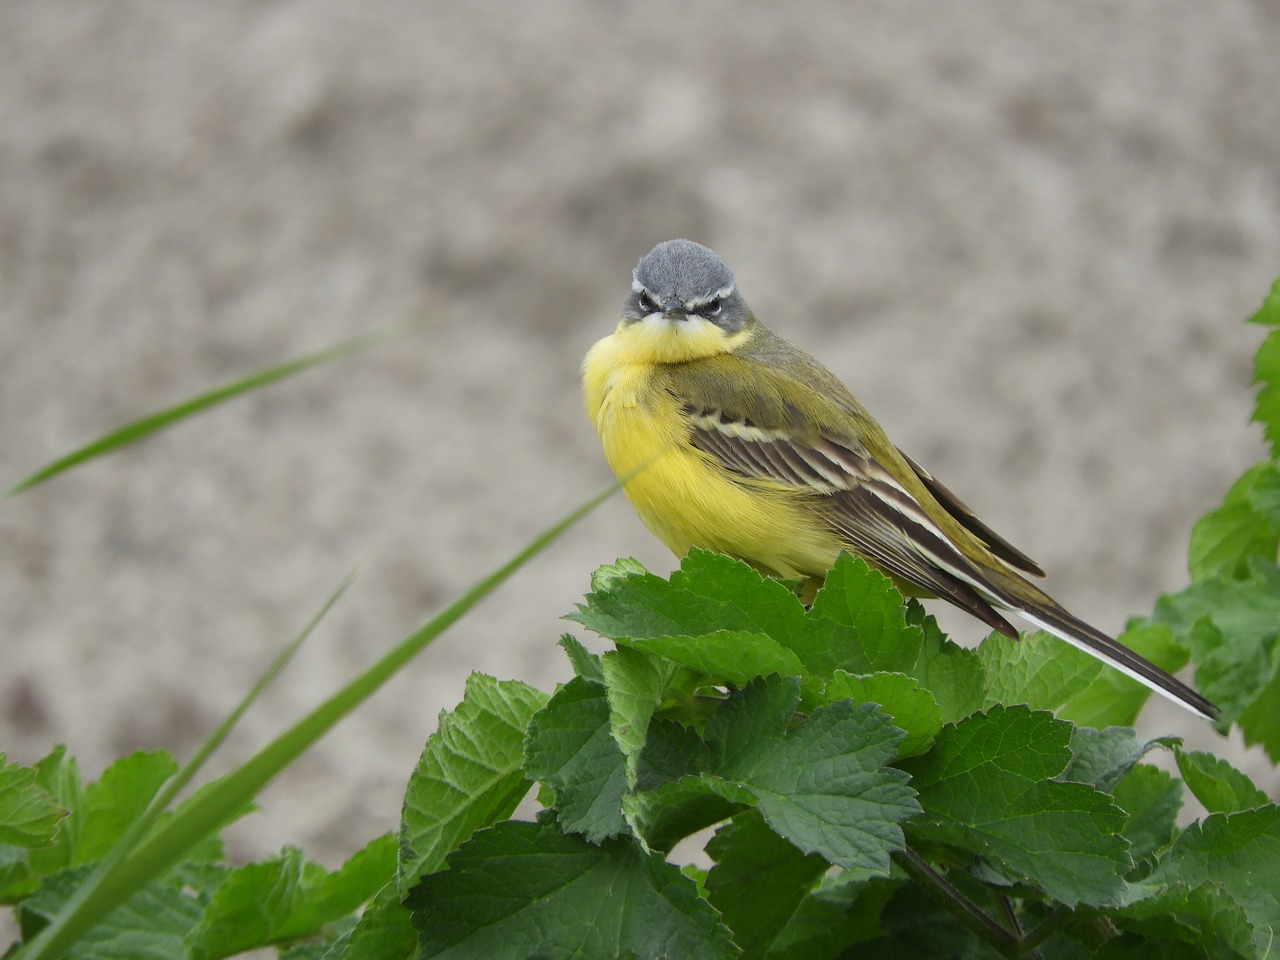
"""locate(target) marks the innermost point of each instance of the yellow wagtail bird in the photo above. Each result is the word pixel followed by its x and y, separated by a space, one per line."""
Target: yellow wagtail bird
pixel 738 442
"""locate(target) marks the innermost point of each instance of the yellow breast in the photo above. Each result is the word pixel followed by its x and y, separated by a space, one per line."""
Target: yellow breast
pixel 683 495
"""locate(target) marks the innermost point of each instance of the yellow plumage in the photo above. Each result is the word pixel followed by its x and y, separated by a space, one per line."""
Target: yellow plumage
pixel 681 493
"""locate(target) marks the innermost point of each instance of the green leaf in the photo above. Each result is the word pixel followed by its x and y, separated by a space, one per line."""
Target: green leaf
pixel 1260 719
pixel 739 598
pixel 384 932
pixel 287 897
pixel 1204 917
pixel 665 814
pixel 99 814
pixel 950 672
pixel 29 815
pixel 673 750
pixel 570 748
pixel 845 909
pixel 1268 314
pixel 876 635
pixel 636 684
pixel 202 877
pixel 758 881
pixel 716 616
pixel 918 925
pixel 1217 784
pixel 726 658
pixel 823 784
pixel 118 798
pixel 620 569
pixel 1264 496
pixel 1152 799
pixel 1225 539
pixel 710 593
pixel 150 925
pixel 857 622
pixel 1102 758
pixel 1247 525
pixel 720 618
pixel 520 890
pixel 1038 670
pixel 16 880
pixel 760 712
pixel 1240 851
pixel 1231 625
pixel 585 663
pixel 55 776
pixel 469 775
pixel 985 787
pixel 1266 369
pixel 913 708
pixel 1234 675
pixel 1246 610
pixel 58 775
pixel 146 426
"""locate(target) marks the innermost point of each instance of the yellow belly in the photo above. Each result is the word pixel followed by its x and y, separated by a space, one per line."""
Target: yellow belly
pixel 682 494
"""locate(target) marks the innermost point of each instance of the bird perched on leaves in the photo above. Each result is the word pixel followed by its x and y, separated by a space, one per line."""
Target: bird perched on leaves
pixel 731 439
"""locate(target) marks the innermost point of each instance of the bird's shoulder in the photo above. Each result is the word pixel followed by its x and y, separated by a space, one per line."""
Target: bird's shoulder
pixel 773 385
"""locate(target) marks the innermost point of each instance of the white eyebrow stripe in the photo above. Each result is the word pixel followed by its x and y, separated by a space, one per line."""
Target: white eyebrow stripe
pixel 717 295
pixel 636 285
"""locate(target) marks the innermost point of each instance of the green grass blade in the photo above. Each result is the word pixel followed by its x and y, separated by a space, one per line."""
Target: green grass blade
pixel 265 679
pixel 70 923
pixel 145 426
pixel 208 810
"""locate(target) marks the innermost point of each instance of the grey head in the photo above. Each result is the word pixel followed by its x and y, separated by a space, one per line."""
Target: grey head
pixel 680 279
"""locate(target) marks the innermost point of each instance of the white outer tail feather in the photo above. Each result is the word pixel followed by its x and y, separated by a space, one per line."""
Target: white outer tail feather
pixel 1093 651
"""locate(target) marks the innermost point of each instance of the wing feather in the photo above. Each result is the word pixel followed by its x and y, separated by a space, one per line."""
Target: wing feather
pixel 869 510
pixel 997 544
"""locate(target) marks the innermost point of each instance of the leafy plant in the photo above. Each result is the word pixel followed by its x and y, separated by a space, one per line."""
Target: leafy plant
pixel 857 783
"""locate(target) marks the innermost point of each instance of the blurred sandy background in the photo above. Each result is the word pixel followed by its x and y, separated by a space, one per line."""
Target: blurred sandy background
pixel 1025 235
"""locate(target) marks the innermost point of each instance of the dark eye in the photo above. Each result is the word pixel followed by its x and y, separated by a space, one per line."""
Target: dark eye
pixel 647 303
pixel 710 309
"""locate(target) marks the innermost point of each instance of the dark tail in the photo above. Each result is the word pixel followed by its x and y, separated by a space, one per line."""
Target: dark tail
pixel 1096 643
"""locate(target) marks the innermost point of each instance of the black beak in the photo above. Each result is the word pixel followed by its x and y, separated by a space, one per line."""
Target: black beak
pixel 674 308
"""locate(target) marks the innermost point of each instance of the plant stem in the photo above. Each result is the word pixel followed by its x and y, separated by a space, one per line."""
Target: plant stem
pixel 1044 929
pixel 1010 916
pixel 964 909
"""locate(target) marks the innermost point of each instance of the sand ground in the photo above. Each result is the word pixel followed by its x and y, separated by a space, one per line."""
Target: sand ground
pixel 1025 234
